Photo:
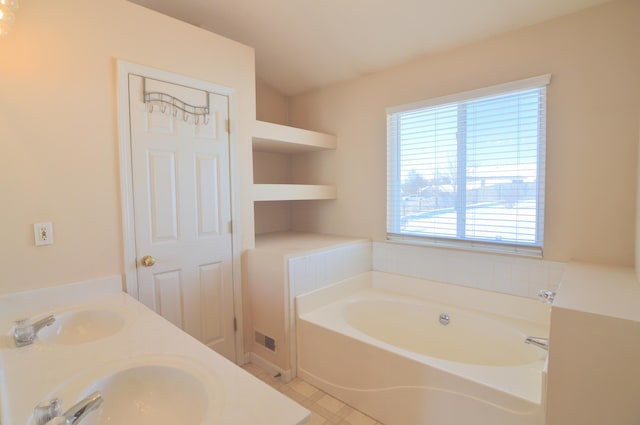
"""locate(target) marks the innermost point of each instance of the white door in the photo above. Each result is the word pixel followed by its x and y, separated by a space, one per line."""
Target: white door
pixel 182 209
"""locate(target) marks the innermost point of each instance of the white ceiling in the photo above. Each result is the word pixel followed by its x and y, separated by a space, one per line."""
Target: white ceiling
pixel 303 44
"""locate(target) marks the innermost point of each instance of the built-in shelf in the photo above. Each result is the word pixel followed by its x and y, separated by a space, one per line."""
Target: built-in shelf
pixel 292 192
pixel 269 137
pixel 281 139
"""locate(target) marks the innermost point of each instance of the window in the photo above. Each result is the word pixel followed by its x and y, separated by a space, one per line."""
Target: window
pixel 468 169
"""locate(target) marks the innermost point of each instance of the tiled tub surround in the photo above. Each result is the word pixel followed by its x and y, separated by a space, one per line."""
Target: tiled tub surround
pixel 287 264
pixel 514 275
pixel 375 342
pixel 282 266
pixel 50 368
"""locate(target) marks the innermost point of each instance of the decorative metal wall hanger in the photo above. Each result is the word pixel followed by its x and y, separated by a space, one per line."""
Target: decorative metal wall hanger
pixel 165 101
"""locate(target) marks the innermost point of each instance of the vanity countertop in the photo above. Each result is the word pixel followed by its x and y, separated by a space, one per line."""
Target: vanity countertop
pixel 57 367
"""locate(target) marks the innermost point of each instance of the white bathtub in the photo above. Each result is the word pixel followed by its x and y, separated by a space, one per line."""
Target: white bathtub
pixel 376 342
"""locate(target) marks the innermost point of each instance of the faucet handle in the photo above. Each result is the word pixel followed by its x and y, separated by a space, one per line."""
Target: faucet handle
pixel 23 332
pixel 73 416
pixel 47 410
pixel 546 296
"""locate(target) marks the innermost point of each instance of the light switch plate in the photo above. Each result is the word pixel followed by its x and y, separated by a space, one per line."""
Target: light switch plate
pixel 43 233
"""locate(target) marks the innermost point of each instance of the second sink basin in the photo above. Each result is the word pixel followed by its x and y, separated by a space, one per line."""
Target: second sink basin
pixel 147 390
pixel 150 395
pixel 82 326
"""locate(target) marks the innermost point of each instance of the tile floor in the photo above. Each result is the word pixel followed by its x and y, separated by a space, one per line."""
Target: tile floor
pixel 325 410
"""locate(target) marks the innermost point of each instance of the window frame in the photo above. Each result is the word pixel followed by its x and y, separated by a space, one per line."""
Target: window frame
pixel 394 179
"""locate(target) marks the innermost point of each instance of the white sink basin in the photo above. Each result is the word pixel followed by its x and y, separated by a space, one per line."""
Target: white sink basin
pixel 150 395
pixel 153 390
pixel 82 326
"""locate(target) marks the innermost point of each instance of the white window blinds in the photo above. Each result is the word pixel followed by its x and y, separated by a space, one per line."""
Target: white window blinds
pixel 468 169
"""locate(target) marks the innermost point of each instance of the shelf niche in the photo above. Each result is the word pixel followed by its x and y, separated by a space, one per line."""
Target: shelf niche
pixel 284 141
pixel 276 138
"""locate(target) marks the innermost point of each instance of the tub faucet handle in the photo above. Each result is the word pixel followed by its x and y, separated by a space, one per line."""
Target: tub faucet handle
pixel 546 296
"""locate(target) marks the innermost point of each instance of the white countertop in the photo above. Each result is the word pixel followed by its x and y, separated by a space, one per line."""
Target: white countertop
pixel 293 243
pixel 604 290
pixel 35 373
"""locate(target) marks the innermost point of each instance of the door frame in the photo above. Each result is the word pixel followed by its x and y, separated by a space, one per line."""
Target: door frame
pixel 126 182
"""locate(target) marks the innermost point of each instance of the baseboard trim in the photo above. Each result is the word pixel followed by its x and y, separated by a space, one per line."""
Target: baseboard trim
pixel 273 370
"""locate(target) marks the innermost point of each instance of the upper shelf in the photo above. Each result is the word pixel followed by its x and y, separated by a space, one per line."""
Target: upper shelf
pixel 292 192
pixel 269 137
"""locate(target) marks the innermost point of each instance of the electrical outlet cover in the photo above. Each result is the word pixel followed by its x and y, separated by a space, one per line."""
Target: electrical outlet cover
pixel 43 233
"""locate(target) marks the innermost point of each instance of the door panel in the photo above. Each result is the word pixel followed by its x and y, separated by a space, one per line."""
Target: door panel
pixel 208 195
pixel 211 286
pixel 158 123
pixel 163 197
pixel 182 211
pixel 167 288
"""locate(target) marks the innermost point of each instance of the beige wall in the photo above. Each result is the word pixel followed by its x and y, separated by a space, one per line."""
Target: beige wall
pixel 271 106
pixel 593 104
pixel 637 259
pixel 272 168
pixel 58 128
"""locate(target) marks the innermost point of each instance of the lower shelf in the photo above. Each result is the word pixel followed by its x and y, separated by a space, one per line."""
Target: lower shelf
pixel 292 192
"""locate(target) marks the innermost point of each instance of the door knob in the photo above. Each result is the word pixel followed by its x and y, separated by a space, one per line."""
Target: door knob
pixel 148 261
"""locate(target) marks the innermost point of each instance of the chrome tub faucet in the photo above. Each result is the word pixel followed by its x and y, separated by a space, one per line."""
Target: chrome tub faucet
pixel 546 296
pixel 538 342
pixel 24 332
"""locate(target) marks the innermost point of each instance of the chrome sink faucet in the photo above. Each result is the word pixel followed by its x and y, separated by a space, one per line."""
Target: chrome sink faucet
pixel 24 332
pixel 538 342
pixel 49 413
